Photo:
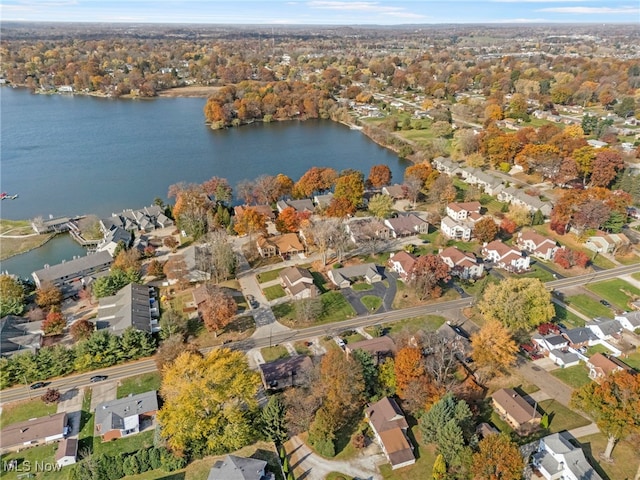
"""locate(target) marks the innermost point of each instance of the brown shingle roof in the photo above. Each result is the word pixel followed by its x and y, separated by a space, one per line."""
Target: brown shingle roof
pixel 514 405
pixel 375 346
pixel 36 429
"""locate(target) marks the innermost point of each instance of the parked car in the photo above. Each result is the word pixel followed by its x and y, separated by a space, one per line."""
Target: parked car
pixel 37 385
pixel 98 378
pixel 252 301
pixel 605 303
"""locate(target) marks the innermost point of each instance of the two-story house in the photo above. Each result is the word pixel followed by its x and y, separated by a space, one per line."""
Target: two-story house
pixel 537 245
pixel 462 264
pixel 505 257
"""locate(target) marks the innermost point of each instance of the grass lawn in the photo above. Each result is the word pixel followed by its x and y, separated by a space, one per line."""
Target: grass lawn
pixel 537 272
pixel 273 292
pixel 626 457
pixel 588 306
pixel 570 319
pixel 352 337
pixel 44 454
pixel 630 259
pixel 597 349
pixel 561 417
pixel 372 302
pixel 575 376
pixel 636 275
pixel 338 476
pixel 617 292
pixel 276 352
pixel 425 458
pixel 301 348
pixel 139 384
pixel 128 444
pixel 633 360
pixel 85 437
pixel 269 276
pixel 17 412
pixel 362 286
pixel 335 308
pixel 426 323
pixel 15 246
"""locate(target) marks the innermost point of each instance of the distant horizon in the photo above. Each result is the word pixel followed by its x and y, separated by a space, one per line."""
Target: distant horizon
pixel 391 13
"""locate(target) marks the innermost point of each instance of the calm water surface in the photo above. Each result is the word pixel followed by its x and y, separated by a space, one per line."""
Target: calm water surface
pixel 73 155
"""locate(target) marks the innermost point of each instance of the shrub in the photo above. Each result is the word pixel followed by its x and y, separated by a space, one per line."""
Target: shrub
pixel 51 396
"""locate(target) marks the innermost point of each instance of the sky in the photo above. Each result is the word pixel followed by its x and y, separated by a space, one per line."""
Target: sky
pixel 322 12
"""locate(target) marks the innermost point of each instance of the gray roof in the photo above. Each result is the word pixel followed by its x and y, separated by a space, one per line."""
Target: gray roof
pixel 579 335
pixel 566 357
pixel 573 459
pixel 60 271
pixel 15 337
pixel 366 270
pixel 127 308
pixel 406 223
pixel 282 373
pixel 607 326
pixel 111 414
pixel 299 205
pixel 237 468
pixel 632 317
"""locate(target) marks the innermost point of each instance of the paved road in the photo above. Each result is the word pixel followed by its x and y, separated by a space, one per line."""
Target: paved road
pixel 270 335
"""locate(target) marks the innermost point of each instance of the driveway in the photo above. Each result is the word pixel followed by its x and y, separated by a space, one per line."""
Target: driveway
pixel 103 392
pixel 310 466
pixel 379 289
pixel 71 404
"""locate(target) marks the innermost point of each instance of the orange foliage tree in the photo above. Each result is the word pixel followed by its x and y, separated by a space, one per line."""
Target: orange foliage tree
pixel 379 176
pixel 218 309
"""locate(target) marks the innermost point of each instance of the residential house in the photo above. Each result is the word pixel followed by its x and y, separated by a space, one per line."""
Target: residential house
pixel 557 458
pixel 380 348
pixel 238 468
pixel 519 197
pixel 67 452
pixel 298 283
pixel 537 245
pixel 397 192
pixel 133 306
pixel 516 411
pixel 35 431
pixel 462 264
pixel 462 210
pixel 597 143
pixel 198 263
pixel 600 366
pixel 505 257
pixel 402 263
pixel 564 358
pixel 113 238
pixel 302 205
pixel 630 320
pixel 145 219
pixel 57 225
pixel 446 165
pixel 287 372
pixel 365 229
pixel 343 277
pixel 323 201
pixel 606 242
pixel 126 416
pixel 550 342
pixel 390 429
pixel 406 224
pixel 66 273
pixel 285 245
pixel 579 337
pixel 605 328
pixel 265 210
pixel 488 183
pixel 456 229
pixel 17 337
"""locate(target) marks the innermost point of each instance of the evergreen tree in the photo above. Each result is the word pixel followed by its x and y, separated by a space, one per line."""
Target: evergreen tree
pixel 369 372
pixel 439 471
pixel 273 418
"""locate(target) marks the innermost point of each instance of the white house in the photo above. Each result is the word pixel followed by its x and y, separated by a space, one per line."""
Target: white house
pixel 462 210
pixel 505 257
pixel 537 245
pixel 629 321
pixel 605 328
pixel 402 263
pixel 556 458
pixel 462 264
pixel 456 230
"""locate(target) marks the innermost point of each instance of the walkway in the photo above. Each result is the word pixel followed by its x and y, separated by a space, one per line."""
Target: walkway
pixel 310 466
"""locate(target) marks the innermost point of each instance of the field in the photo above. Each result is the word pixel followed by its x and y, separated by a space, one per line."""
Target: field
pixel 617 292
pixel 588 306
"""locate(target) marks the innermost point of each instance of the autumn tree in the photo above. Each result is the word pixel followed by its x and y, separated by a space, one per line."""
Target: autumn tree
pixel 567 258
pixel 316 179
pixel 387 377
pixel 508 226
pixel 51 396
pixel 284 185
pixel 11 296
pixel 497 458
pixel 379 176
pixel 409 366
pixel 289 220
pixel 54 323
pixel 439 471
pixel 48 295
pixel 191 208
pixel 427 274
pixel 606 165
pixel 81 330
pixel 493 348
pixel 250 222
pixel 381 205
pixel 307 310
pixel 127 260
pixel 421 171
pixel 350 187
pixel 216 256
pixel 518 303
pixel 442 190
pixel 486 229
pixel 170 349
pixel 340 208
pixel 614 404
pixel 218 309
pixel 209 403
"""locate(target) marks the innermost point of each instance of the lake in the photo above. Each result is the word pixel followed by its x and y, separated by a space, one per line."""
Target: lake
pixel 72 155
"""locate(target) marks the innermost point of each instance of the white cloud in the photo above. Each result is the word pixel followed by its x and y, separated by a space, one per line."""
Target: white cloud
pixel 592 10
pixel 365 7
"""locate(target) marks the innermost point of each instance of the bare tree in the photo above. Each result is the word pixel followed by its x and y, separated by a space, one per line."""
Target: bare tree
pixel 216 256
pixel 443 357
pixel 307 310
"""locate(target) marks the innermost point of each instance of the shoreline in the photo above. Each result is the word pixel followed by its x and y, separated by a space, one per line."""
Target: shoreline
pixel 44 242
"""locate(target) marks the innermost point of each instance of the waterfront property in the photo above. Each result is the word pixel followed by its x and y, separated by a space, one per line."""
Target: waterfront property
pixel 57 225
pixel 16 337
pixel 143 220
pixel 35 431
pixel 64 275
pixel 125 416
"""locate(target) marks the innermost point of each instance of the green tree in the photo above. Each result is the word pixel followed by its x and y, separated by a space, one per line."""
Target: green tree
pixel 439 471
pixel 136 343
pixel 381 205
pixel 209 402
pixel 273 421
pixel 518 303
pixel 369 372
pixel 387 378
pixel 321 433
pixel 615 222
pixel 11 296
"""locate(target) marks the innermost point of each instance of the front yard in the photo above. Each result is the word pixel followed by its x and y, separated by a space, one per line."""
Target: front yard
pixel 334 308
pixel 617 292
pixel 20 411
pixel 588 306
pixel 575 376
pixel 139 384
pixel 426 323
